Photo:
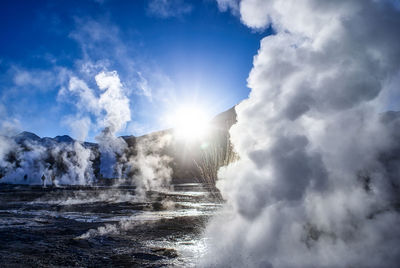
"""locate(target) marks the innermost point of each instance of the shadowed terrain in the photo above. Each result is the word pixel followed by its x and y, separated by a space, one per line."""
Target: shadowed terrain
pixel 58 157
pixel 102 226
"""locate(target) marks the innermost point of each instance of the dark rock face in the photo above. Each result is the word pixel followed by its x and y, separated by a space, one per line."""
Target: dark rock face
pixel 200 160
pixel 64 138
pixel 26 136
pixel 30 137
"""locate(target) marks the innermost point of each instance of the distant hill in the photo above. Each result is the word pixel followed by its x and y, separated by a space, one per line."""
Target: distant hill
pixel 32 137
pixel 191 162
pixel 26 136
pixel 64 138
pixel 196 161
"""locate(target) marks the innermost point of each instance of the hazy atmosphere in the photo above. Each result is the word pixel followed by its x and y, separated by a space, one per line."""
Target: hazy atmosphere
pixel 210 133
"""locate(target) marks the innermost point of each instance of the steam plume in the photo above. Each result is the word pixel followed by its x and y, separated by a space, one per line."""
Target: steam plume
pixel 28 161
pixel 153 169
pixel 118 113
pixel 112 113
pixel 317 180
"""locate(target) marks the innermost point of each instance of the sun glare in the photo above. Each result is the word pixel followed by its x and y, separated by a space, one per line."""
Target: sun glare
pixel 189 123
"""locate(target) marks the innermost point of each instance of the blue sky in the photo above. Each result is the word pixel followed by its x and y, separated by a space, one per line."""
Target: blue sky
pixel 165 55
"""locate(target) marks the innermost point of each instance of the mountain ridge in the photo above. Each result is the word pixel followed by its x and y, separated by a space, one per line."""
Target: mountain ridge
pixel 57 156
pixel 227 116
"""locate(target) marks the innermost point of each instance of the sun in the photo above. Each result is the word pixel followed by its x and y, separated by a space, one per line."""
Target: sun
pixel 189 123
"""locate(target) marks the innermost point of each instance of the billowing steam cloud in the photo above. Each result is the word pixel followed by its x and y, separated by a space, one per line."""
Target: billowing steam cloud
pixel 28 159
pixel 317 183
pixel 116 105
pixel 114 101
pixel 153 165
pixel 112 112
pixel 45 162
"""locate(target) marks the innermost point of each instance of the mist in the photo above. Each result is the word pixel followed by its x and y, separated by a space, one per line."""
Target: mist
pixel 302 169
pixel 45 162
pixel 317 180
pixel 28 159
pixel 154 170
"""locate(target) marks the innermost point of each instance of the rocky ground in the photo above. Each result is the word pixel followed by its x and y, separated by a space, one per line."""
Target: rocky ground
pixel 102 226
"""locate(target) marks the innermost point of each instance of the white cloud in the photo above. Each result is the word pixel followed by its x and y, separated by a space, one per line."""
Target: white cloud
pixel 225 5
pixel 253 13
pixel 43 80
pixel 169 8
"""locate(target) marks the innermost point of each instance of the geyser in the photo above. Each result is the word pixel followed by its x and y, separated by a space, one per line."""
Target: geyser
pixel 317 182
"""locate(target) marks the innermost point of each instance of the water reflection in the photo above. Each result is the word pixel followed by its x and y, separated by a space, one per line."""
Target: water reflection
pixel 163 230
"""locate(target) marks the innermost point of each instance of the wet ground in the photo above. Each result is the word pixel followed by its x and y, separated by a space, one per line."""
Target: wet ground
pixel 102 226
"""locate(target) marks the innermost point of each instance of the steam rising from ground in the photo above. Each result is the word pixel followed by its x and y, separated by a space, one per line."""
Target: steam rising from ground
pixel 31 160
pixel 317 181
pixel 112 112
pixel 153 166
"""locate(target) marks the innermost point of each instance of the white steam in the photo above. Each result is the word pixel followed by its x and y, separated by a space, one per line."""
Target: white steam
pixel 153 165
pixel 317 180
pixel 29 159
pixel 111 109
pixel 113 101
pixel 116 105
pixel 60 163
